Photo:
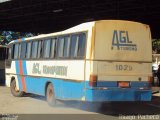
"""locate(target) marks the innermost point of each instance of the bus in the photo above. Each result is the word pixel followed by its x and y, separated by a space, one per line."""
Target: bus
pixel 3 53
pixel 98 61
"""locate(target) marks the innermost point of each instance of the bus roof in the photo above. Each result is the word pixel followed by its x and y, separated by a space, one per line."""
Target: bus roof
pixel 79 28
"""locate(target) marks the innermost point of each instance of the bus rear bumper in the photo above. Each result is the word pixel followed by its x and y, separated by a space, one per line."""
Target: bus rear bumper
pixel 94 95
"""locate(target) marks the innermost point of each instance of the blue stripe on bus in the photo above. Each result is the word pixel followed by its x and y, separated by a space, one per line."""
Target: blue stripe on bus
pixel 118 95
pixel 70 90
pixel 114 93
pixel 18 72
pixel 17 67
pixel 107 84
pixel 76 90
pixel 63 89
pixel 139 84
pixel 114 84
pixel 23 39
pixel 24 67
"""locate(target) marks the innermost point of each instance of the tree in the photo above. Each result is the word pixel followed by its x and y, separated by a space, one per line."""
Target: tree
pixel 156 46
pixel 8 36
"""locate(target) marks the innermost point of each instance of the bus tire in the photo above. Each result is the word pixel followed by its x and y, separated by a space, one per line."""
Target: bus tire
pixel 15 92
pixel 50 96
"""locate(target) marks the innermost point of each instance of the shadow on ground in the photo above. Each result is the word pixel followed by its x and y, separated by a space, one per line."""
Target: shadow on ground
pixel 120 108
pixel 112 108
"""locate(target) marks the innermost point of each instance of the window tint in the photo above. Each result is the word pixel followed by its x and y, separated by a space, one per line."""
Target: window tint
pixel 34 49
pixel 23 50
pixel 74 46
pixel 40 49
pixel 66 46
pixel 28 53
pixel 47 44
pixel 19 51
pixel 16 51
pixel 10 52
pixel 60 47
pixel 81 45
pixel 13 48
pixel 69 46
pixel 53 48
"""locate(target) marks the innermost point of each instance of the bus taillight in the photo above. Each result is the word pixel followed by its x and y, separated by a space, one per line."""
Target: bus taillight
pixel 93 80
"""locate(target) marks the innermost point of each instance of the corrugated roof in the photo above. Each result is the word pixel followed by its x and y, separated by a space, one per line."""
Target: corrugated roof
pixel 47 16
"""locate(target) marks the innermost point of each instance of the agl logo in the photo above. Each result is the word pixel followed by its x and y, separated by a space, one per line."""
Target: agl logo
pixel 121 41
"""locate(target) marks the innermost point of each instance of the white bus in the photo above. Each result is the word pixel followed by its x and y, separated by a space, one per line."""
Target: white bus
pixel 99 61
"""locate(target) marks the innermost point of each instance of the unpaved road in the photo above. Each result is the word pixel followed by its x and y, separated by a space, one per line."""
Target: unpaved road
pixel 32 104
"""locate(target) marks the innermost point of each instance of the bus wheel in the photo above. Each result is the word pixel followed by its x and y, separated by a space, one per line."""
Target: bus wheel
pixel 50 96
pixel 15 92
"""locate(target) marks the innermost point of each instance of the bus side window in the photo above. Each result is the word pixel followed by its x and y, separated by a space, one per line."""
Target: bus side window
pixel 12 51
pixel 23 50
pixel 40 49
pixel 81 45
pixel 53 48
pixel 74 46
pixel 47 44
pixel 28 52
pixel 60 44
pixel 66 46
pixel 16 51
pixel 34 49
pixel 19 50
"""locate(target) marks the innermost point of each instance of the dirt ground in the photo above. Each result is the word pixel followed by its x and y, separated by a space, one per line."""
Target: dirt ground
pixel 33 104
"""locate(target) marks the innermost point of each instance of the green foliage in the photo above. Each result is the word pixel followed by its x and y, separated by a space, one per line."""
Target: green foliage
pixel 8 36
pixel 156 46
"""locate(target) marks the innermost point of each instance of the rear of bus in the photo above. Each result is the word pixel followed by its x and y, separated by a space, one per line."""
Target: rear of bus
pixel 119 65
